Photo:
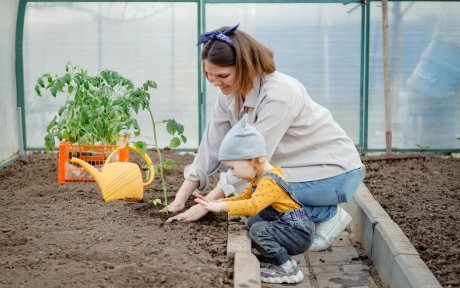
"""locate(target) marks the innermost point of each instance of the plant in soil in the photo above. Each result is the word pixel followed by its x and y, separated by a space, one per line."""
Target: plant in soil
pixel 175 129
pixel 98 109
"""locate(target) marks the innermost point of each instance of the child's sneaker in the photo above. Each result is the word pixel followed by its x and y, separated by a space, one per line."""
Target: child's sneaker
pixel 288 272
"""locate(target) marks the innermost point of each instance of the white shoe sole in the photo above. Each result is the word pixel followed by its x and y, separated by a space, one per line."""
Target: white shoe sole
pixel 285 279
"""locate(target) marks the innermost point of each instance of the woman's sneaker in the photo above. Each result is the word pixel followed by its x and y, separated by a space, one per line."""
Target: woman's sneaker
pixel 288 272
pixel 327 231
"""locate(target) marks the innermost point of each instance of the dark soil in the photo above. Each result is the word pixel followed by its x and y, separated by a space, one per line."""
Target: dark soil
pixel 66 236
pixel 422 195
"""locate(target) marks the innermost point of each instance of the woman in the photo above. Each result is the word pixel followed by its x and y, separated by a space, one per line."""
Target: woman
pixel 319 160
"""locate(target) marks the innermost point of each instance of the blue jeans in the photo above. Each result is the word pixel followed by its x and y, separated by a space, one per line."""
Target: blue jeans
pixel 276 236
pixel 321 197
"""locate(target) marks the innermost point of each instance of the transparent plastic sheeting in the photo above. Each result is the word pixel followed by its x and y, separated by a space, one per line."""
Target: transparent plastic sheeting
pixel 424 45
pixel 320 44
pixel 141 41
pixel 317 44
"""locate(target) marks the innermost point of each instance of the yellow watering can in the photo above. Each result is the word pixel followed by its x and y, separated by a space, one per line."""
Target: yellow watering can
pixel 119 180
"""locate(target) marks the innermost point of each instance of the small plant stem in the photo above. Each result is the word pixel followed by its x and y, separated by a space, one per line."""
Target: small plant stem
pixel 160 160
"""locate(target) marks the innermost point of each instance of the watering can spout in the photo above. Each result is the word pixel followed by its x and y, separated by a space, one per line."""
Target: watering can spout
pixel 89 168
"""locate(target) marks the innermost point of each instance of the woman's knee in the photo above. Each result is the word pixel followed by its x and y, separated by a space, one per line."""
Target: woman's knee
pixel 350 185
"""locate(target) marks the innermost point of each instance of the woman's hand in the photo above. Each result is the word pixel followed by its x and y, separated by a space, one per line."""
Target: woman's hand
pixel 182 195
pixel 175 206
pixel 214 206
pixel 196 211
pixel 192 214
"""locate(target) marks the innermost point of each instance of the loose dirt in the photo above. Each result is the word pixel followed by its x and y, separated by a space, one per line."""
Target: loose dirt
pixel 422 195
pixel 65 235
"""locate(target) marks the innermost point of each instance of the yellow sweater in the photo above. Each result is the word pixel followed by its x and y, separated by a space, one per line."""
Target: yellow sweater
pixel 267 193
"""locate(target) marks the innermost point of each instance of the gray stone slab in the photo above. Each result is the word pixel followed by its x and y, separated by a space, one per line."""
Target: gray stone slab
pixel 300 260
pixel 362 225
pixel 389 242
pixel 333 258
pixel 246 270
pixel 355 267
pixel 237 239
pixel 344 279
pixel 343 248
pixel 411 271
pixel 369 205
pixel 325 269
pixel 342 241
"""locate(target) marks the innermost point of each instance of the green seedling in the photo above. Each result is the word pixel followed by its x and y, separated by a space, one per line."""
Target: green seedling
pixel 173 128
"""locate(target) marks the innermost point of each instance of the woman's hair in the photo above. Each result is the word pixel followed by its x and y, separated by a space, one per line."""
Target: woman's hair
pixel 250 57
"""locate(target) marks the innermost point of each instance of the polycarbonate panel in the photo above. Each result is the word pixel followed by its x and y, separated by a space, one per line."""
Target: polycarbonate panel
pixel 424 54
pixel 319 44
pixel 10 131
pixel 141 41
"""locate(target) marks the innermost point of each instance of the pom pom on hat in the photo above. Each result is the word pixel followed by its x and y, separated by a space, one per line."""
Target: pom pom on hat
pixel 242 142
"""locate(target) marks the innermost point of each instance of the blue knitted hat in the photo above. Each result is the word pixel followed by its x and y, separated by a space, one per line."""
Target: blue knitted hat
pixel 242 142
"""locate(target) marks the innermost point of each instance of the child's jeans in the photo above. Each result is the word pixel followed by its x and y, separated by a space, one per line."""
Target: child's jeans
pixel 277 236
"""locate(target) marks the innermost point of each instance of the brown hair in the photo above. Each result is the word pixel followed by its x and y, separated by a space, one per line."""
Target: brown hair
pixel 250 57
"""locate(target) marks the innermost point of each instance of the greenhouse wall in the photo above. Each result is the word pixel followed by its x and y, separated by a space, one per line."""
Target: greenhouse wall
pixel 9 145
pixel 335 50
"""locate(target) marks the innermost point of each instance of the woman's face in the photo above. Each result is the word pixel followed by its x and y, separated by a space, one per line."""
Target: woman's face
pixel 222 77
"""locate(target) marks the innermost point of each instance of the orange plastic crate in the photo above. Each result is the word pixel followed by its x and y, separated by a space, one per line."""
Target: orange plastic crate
pixel 94 155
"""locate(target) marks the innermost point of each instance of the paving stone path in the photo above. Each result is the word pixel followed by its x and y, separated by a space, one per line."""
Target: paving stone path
pixel 339 266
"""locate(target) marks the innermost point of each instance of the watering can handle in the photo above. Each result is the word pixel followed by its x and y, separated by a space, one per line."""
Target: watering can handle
pixel 145 156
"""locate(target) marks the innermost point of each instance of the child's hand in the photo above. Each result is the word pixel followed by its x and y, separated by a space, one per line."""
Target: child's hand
pixel 214 206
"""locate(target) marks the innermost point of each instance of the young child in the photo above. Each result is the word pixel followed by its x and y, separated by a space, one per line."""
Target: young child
pixel 279 225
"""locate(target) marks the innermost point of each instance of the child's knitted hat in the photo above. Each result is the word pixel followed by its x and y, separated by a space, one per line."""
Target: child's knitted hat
pixel 242 142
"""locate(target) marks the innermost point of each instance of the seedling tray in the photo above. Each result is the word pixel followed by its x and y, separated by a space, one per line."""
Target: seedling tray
pixel 94 155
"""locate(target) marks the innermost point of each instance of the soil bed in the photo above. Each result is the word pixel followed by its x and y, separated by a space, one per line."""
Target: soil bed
pixel 421 193
pixel 65 235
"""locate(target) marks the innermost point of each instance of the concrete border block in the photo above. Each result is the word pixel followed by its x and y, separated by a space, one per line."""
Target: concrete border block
pixel 237 239
pixel 411 271
pixel 361 209
pixel 246 270
pixel 394 256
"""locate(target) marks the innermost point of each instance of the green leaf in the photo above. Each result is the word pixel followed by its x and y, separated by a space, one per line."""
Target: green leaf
pixel 67 78
pixel 54 88
pixel 37 90
pixel 171 126
pixel 168 164
pixel 49 142
pixel 151 84
pixel 156 170
pixel 141 146
pixel 41 82
pixel 155 201
pixel 175 142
